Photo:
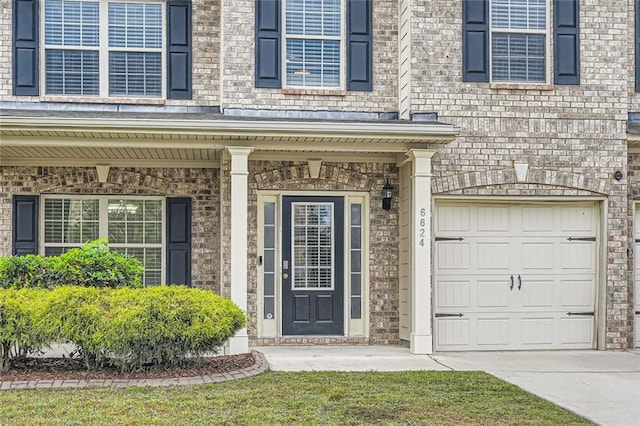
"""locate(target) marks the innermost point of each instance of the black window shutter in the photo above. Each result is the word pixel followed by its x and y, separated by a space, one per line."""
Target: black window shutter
pixel 25 225
pixel 637 16
pixel 179 241
pixel 268 44
pixel 475 40
pixel 179 49
pixel 359 45
pixel 25 47
pixel 566 41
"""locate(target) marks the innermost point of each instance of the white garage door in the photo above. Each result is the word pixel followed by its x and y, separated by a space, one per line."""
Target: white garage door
pixel 514 276
pixel 637 276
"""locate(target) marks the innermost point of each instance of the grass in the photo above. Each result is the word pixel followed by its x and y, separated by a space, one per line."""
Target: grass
pixel 310 398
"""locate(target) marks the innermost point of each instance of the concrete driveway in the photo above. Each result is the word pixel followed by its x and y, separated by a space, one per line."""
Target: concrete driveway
pixel 603 387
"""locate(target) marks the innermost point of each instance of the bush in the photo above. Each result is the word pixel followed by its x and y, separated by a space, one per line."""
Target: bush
pixel 93 265
pixel 20 334
pixel 26 271
pixel 76 314
pixel 162 326
pixel 139 328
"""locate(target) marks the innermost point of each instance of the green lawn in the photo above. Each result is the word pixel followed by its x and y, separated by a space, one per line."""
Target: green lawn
pixel 435 398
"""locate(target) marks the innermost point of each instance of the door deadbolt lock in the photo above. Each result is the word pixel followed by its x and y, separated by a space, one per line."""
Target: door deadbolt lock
pixel 285 276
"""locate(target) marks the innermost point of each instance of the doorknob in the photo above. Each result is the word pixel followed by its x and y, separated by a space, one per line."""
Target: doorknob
pixel 285 276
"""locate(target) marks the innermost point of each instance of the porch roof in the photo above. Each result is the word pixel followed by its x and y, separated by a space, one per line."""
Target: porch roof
pixel 43 137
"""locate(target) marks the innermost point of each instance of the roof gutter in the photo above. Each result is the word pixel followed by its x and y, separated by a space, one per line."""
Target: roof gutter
pixel 402 131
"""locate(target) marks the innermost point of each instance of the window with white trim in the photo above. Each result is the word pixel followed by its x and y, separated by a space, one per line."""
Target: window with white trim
pixel 103 48
pixel 133 226
pixel 314 43
pixel 519 41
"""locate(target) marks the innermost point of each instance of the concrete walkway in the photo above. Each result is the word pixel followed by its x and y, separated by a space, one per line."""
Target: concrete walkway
pixel 603 387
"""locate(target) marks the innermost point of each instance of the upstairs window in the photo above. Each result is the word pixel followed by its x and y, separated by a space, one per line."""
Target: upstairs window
pixel 314 43
pixel 103 48
pixel 519 37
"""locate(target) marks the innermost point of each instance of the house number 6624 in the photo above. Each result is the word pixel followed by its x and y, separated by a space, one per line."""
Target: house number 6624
pixel 422 228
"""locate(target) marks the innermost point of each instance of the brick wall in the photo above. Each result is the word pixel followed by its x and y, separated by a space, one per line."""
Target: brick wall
pixel 199 184
pixel 206 63
pixel 572 137
pixel 238 59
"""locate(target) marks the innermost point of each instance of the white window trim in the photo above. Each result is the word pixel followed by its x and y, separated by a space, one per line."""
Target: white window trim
pixel 343 49
pixel 547 46
pixel 103 223
pixel 103 51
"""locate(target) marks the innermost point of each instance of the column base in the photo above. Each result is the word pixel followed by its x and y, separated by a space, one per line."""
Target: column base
pixel 238 344
pixel 421 344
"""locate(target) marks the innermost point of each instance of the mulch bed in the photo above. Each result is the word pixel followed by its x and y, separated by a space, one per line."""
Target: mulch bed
pixel 72 369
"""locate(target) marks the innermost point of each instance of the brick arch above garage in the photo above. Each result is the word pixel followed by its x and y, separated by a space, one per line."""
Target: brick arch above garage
pixel 538 182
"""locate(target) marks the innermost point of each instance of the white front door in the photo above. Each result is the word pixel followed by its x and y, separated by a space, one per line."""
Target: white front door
pixel 514 276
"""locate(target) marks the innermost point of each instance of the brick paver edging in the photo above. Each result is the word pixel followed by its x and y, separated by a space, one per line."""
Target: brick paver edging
pixel 260 366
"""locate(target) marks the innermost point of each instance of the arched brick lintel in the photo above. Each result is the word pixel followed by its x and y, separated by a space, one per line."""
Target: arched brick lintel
pixel 337 176
pixel 443 185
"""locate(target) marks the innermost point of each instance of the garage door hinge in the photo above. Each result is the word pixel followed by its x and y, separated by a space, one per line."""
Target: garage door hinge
pixel 584 314
pixel 449 315
pixel 449 238
pixel 581 238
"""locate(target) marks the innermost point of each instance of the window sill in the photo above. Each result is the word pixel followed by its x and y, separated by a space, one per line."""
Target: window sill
pixel 522 86
pixel 315 92
pixel 98 100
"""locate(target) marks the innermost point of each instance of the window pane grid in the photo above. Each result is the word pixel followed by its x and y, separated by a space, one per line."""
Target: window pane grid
pixel 356 261
pixel 133 226
pixel 131 42
pixel 312 246
pixel 518 40
pixel 313 34
pixel 518 57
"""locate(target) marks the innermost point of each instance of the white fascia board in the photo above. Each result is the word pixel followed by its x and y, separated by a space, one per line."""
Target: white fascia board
pixel 326 129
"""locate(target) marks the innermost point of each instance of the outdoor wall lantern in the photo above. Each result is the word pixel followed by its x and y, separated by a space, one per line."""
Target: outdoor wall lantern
pixel 387 194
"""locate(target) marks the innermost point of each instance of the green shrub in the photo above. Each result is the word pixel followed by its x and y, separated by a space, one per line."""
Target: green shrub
pixel 32 271
pixel 162 326
pixel 76 314
pixel 139 328
pixel 20 312
pixel 93 265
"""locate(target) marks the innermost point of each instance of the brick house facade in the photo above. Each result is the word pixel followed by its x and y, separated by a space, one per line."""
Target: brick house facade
pixel 259 151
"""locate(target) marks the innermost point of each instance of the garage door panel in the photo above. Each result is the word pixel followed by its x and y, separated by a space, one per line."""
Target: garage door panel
pixel 577 294
pixel 536 331
pixel 453 219
pixel 453 256
pixel 453 333
pixel 578 256
pixel 537 256
pixel 453 294
pixel 576 332
pixel 537 219
pixel 493 332
pixel 493 256
pixel 537 293
pixel 578 219
pixel 493 293
pixel 494 219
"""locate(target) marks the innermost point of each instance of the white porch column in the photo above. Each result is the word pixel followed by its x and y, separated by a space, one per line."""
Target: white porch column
pixel 421 339
pixel 239 204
